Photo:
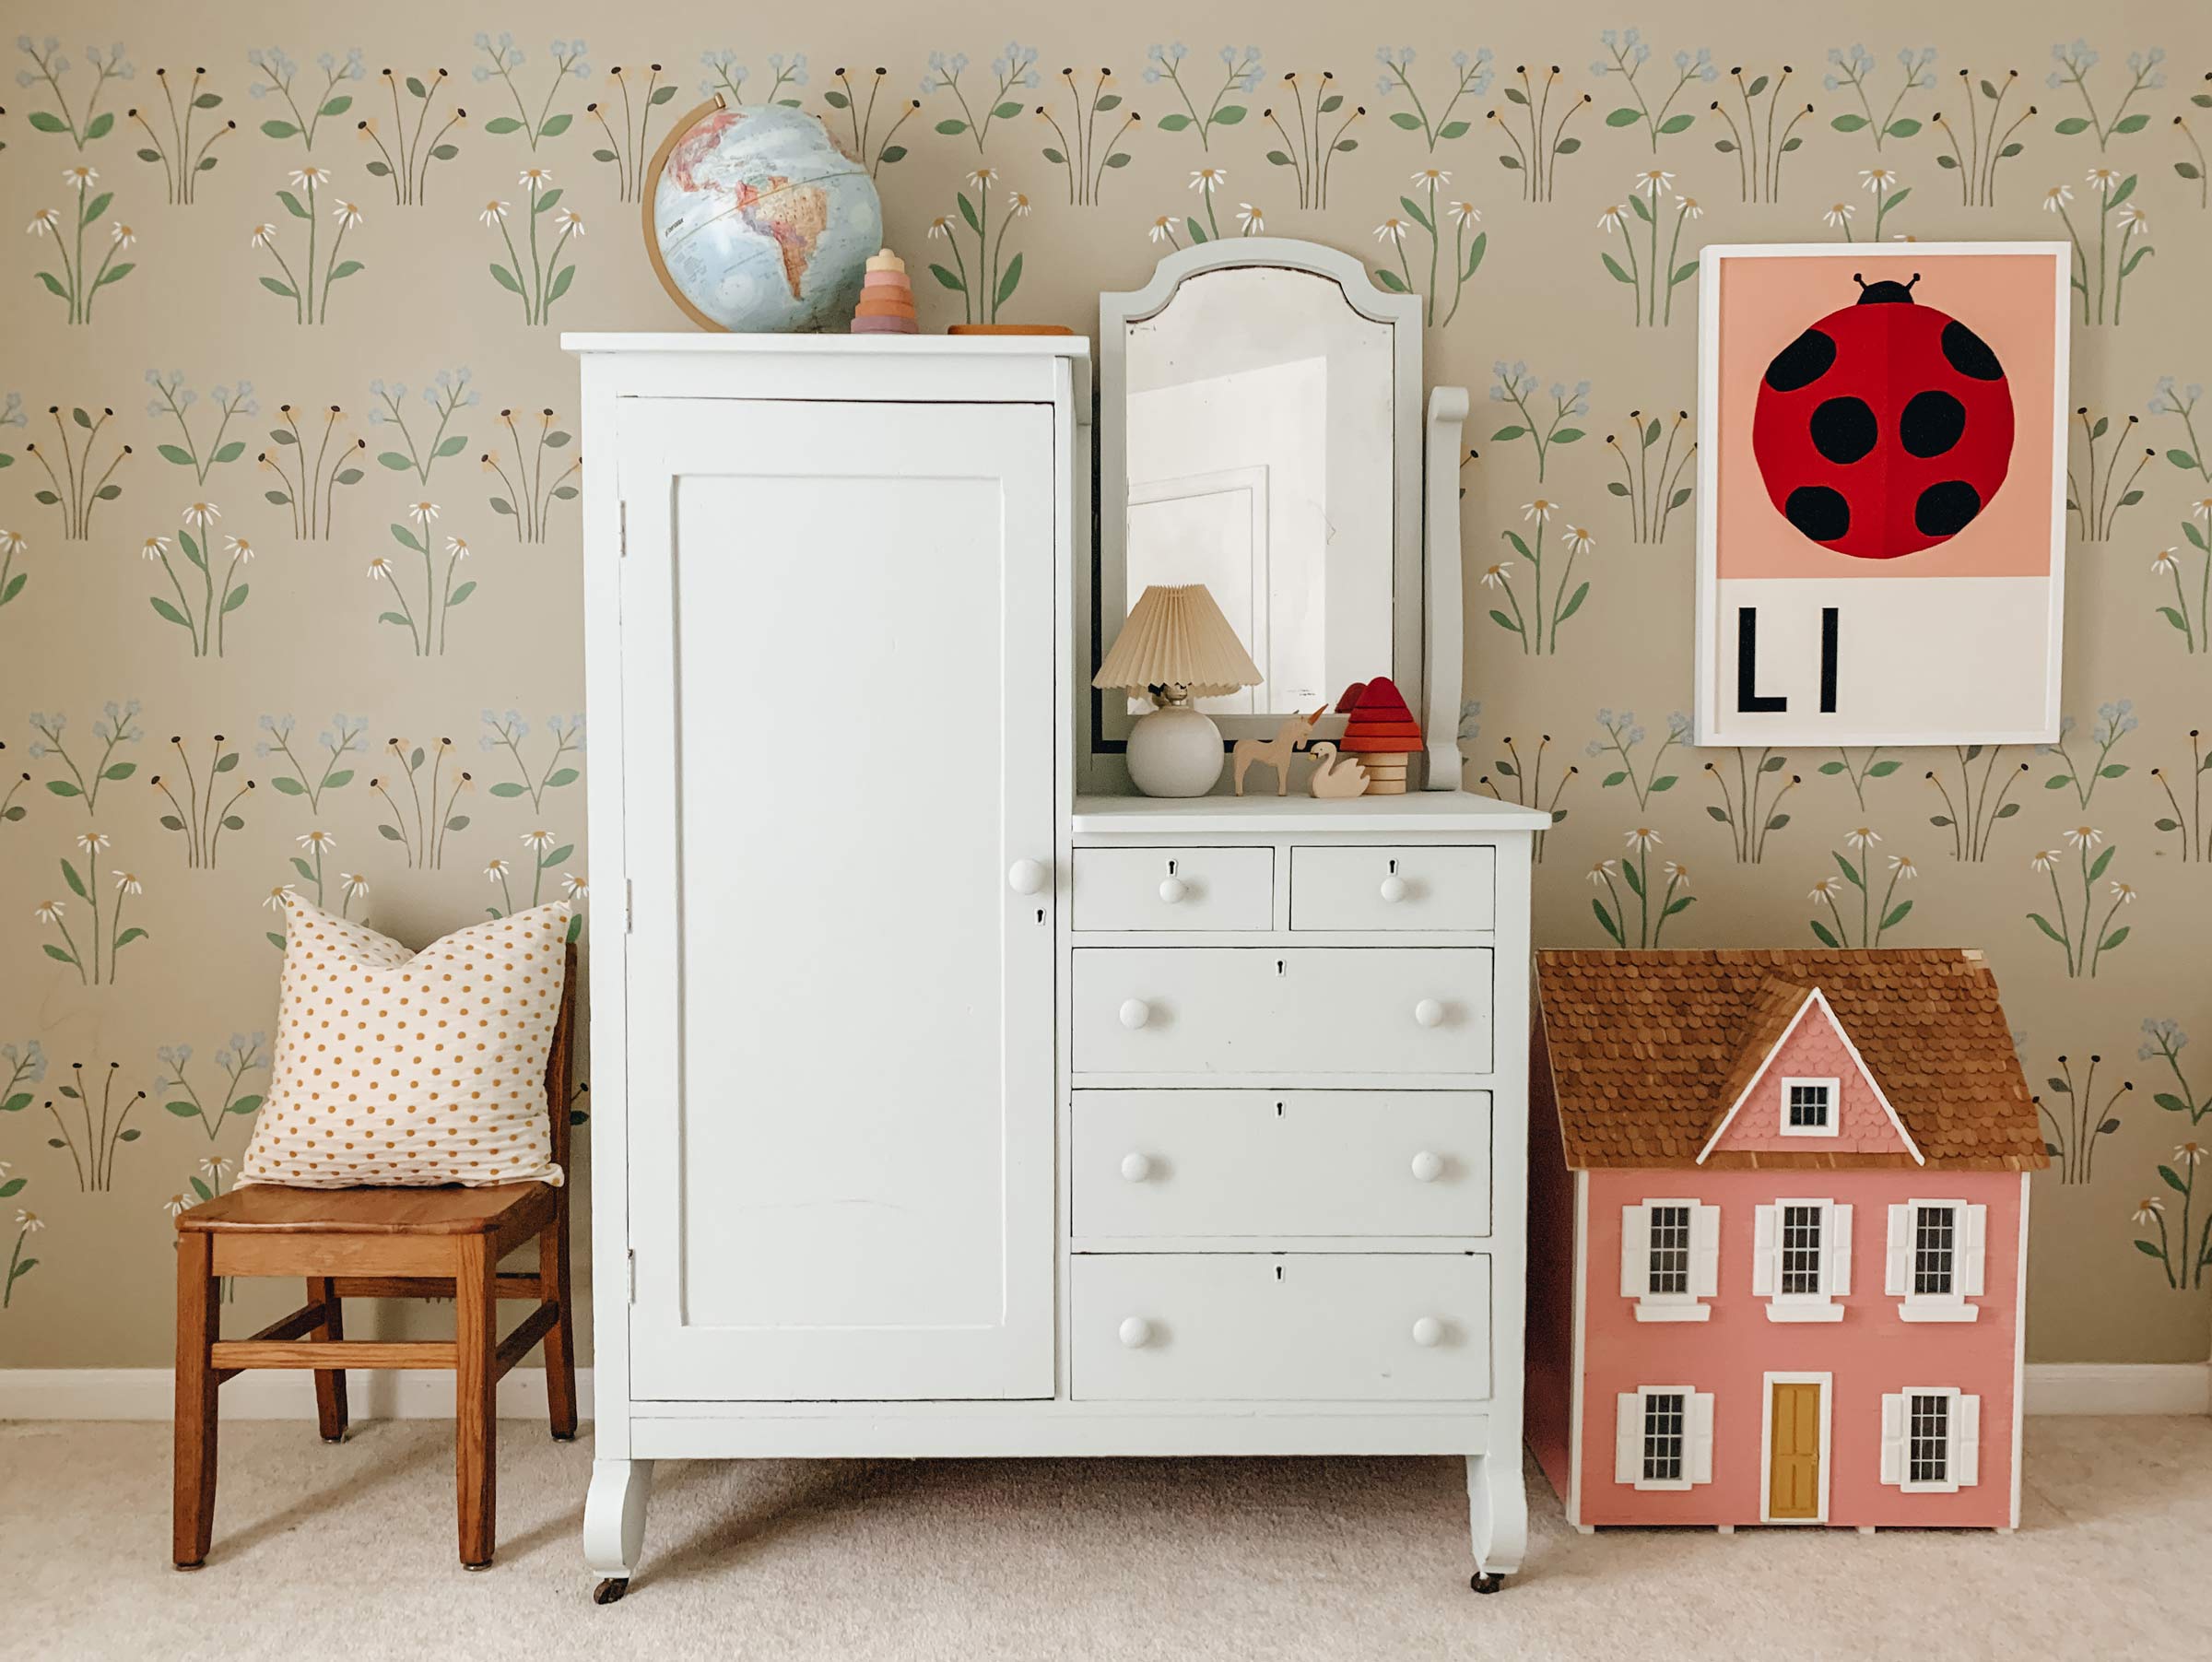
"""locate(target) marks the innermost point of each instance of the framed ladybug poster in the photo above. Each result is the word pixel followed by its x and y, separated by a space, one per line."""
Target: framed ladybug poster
pixel 1881 502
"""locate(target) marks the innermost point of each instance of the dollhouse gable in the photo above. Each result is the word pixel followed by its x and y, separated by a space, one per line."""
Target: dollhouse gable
pixel 1799 1086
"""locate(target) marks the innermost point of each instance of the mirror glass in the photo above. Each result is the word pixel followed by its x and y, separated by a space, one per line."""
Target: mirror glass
pixel 1259 410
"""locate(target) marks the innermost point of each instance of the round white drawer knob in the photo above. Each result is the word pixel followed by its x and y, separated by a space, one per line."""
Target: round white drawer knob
pixel 1025 877
pixel 1173 891
pixel 1135 1012
pixel 1428 1332
pixel 1427 1167
pixel 1135 1332
pixel 1393 889
pixel 1136 1167
pixel 1428 1013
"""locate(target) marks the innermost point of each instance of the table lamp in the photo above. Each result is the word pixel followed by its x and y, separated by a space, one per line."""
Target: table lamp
pixel 1176 646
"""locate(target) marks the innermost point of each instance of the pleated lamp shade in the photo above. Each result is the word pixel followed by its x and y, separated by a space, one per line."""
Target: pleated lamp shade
pixel 1176 637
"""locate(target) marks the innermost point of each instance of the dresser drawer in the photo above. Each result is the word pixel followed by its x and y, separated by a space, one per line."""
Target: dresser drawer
pixel 1281 1009
pixel 1394 887
pixel 1174 888
pixel 1282 1327
pixel 1281 1163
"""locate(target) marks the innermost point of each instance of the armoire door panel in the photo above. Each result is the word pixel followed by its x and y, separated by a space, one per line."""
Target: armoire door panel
pixel 838 634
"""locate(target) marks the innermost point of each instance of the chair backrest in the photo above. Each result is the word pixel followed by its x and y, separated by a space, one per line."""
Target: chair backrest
pixel 561 1061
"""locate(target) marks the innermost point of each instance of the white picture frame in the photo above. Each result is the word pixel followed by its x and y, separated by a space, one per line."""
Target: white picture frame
pixel 2018 685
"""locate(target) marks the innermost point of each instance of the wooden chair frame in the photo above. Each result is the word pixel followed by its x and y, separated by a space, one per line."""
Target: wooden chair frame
pixel 381 1243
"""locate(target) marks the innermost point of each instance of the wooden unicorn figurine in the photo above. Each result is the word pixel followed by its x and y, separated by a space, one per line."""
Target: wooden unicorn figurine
pixel 1276 752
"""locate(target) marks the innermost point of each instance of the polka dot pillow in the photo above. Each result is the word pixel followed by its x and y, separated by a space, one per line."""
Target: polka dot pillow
pixel 411 1068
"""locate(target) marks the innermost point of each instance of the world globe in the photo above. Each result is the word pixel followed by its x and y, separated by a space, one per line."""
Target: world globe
pixel 763 224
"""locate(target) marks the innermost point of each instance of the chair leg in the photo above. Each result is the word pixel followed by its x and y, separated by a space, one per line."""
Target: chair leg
pixel 476 1336
pixel 192 1513
pixel 330 1383
pixel 560 1339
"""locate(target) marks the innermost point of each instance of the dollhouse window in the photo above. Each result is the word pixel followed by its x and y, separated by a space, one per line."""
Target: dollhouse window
pixel 1663 1437
pixel 1938 1258
pixel 1670 1259
pixel 1931 1438
pixel 1808 1107
pixel 1801 1259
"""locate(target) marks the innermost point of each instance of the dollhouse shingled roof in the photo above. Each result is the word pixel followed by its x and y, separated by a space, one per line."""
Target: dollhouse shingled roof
pixel 1647 1051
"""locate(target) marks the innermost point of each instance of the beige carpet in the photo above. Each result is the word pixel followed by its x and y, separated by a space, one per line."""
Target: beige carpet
pixel 350 1550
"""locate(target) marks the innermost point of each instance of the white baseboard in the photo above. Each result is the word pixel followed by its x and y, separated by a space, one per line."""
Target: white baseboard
pixel 428 1394
pixel 273 1394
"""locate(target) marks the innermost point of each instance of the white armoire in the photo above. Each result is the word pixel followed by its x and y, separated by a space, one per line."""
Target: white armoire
pixel 939 1109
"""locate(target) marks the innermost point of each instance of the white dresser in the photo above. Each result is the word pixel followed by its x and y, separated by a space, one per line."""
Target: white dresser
pixel 939 1111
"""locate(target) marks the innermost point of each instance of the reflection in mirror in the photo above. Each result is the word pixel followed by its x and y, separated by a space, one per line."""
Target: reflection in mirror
pixel 1260 423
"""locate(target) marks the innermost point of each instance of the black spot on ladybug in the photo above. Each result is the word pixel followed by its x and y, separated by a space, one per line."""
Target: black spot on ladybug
pixel 1969 354
pixel 1946 509
pixel 1821 513
pixel 1931 424
pixel 1845 430
pixel 1802 362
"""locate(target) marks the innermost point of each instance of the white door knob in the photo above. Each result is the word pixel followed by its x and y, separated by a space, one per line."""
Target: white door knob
pixel 1428 1332
pixel 1135 1012
pixel 1428 1013
pixel 1136 1167
pixel 1393 889
pixel 1427 1167
pixel 1135 1332
pixel 1025 877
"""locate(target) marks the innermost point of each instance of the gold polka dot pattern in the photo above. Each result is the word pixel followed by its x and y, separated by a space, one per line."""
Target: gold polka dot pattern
pixel 411 1068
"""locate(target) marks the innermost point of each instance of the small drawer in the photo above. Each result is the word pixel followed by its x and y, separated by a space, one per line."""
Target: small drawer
pixel 1174 888
pixel 1190 1164
pixel 1274 1010
pixel 1394 887
pixel 1280 1327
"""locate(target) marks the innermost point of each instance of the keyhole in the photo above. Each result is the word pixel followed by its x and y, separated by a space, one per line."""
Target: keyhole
pixel 1278 1111
pixel 1278 1272
pixel 1278 966
pixel 1393 868
pixel 1040 915
pixel 1171 868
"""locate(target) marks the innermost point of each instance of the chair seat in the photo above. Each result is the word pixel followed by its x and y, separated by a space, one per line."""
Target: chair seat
pixel 509 1209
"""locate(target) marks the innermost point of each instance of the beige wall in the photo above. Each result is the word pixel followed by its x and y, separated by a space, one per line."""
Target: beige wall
pixel 306 642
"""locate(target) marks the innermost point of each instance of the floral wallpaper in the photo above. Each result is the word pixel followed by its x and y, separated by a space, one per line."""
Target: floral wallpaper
pixel 289 559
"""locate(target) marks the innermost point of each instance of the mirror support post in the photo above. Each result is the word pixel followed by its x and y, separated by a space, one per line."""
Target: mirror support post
pixel 1442 648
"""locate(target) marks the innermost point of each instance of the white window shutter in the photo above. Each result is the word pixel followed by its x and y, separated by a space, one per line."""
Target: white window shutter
pixel 1893 1437
pixel 1976 1256
pixel 1764 1249
pixel 1700 1437
pixel 1897 1273
pixel 1635 1251
pixel 1704 1251
pixel 1966 1441
pixel 1836 1280
pixel 1628 1438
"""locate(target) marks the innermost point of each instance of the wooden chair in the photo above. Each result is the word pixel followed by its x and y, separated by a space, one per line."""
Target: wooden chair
pixel 398 1242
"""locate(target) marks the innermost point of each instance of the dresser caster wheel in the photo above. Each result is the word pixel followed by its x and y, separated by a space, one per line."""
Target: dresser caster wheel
pixel 1490 1582
pixel 564 1436
pixel 610 1591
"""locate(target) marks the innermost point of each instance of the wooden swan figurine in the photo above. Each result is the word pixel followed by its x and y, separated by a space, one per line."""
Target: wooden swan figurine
pixel 1335 775
pixel 1275 753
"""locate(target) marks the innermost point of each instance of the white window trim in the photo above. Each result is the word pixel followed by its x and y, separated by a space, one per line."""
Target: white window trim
pixel 1808 1306
pixel 1834 1088
pixel 1952 1306
pixel 1672 1306
pixel 1643 1393
pixel 1827 1382
pixel 1952 1418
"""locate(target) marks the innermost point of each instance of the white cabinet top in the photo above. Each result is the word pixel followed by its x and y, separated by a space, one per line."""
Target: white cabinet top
pixel 830 345
pixel 1416 812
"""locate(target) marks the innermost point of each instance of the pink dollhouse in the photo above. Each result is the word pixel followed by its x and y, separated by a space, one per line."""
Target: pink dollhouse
pixel 1788 1194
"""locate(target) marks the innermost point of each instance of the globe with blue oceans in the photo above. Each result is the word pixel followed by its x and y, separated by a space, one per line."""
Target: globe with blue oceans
pixel 764 223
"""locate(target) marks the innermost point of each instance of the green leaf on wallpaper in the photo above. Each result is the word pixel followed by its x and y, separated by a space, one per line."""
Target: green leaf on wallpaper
pixel 892 153
pixel 1167 123
pixel 2164 822
pixel 461 593
pixel 2165 1173
pixel 1507 433
pixel 503 123
pixel 563 776
pixel 400 619
pixel 2127 189
pixel 952 127
pixel 1574 606
pixel 556 126
pixel 548 201
pixel 1896 915
pixel 278 497
pixel 1679 496
pixel 445 152
pixel 1882 770
pixel 129 1137
pixel 1903 127
pixel 1005 112
pixel 107 493
pixel 2136 259
pixel 1612 266
pixel 967 212
pixel 120 770
pixel 63 788
pixel 1514 95
pixel 12 1187
pixel 561 279
pixel 2131 123
pixel 1776 821
pixel 555 856
pixel 416 87
pixel 1509 162
pixel 1345 144
pixel 177 454
pixel 1677 123
pixel 500 505
pixel 77 884
pixel 1624 117
pixel 1604 920
pixel 567 493
pixel 1112 101
pixel 2072 124
pixel 184 1111
pixel 663 95
pixel 2100 862
pixel 170 822
pixel 1664 782
pixel 332 782
pixel 1396 285
pixel 245 1105
pixel 97 207
pixel 1718 814
pixel 507 788
pixel 836 100
pixel 504 277
pixel 458 822
pixel 945 279
pixel 205 163
pixel 192 549
pixel 1567 146
pixel 2187 170
pixel 1414 212
pixel 1632 877
pixel 344 268
pixel 1453 129
pixel 279 129
pixel 289 786
pixel 53 286
pixel 1503 621
pixel 1726 147
pixel 45 121
pixel 1055 156
pixel 2145 1246
pixel 2111 770
pixel 2182 458
pixel 1821 933
pixel 1849 123
pixel 2115 938
pixel 1640 208
pixel 1850 872
pixel 1192 228
pixel 2165 1099
pixel 453 447
pixel 2012 149
pixel 1949 160
pixel 1683 273
pixel 337 106
pixel 1406 119
pixel 225 761
pixel 407 539
pixel 1567 435
pixel 54 951
pixel 235 599
pixel 1228 115
pixel 396 462
pixel 1007 282
pixel 14 587
pixel 286 289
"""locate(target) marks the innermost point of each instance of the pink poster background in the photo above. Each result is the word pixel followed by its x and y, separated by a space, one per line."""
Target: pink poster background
pixel 2009 300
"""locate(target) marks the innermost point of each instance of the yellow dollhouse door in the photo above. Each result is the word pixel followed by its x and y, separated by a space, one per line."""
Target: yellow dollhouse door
pixel 1793 1458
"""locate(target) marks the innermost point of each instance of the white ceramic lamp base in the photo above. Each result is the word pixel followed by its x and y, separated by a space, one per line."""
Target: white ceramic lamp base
pixel 1175 751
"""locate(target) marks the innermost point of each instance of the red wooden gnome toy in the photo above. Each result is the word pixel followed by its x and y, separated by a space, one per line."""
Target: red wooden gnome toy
pixel 1382 733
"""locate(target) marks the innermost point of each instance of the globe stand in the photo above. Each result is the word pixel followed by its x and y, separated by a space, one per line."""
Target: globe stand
pixel 677 131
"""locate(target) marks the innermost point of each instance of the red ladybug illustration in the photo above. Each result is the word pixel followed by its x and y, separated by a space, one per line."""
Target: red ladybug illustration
pixel 1884 428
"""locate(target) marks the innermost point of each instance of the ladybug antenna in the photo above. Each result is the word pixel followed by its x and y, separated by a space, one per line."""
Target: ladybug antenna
pixel 1886 292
